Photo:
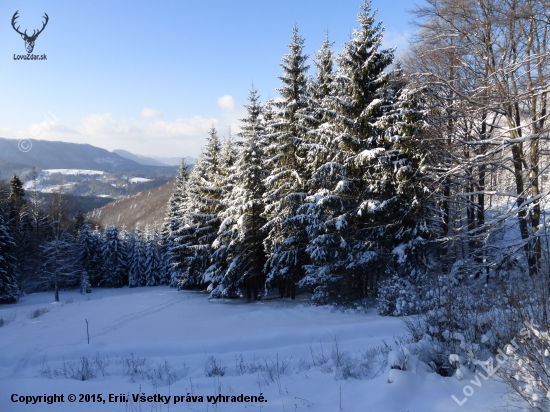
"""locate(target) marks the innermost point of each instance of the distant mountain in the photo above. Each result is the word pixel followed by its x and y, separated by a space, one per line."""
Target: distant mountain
pixel 176 161
pixel 147 207
pixel 155 160
pixel 61 155
pixel 144 160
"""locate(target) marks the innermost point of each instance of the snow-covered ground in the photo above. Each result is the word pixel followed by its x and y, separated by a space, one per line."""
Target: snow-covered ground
pixel 72 172
pixel 160 341
pixel 139 180
pixel 46 174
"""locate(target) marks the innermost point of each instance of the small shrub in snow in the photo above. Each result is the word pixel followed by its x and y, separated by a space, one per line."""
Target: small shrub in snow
pixel 346 365
pixel 9 319
pixel 135 366
pixel 318 355
pixel 274 369
pixel 376 357
pixel 165 372
pixel 214 367
pixel 459 319
pixel 525 358
pixel 242 367
pixel 38 312
pixel 83 369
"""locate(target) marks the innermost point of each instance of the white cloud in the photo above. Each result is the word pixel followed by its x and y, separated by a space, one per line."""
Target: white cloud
pixel 146 112
pixel 180 137
pixel 226 102
pixel 147 135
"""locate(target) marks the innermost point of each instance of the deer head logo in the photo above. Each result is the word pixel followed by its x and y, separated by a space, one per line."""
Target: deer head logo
pixel 29 40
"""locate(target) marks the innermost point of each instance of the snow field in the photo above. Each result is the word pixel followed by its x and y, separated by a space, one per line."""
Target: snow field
pixel 155 340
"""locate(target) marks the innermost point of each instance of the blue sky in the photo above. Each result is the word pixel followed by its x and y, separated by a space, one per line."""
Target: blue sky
pixel 152 76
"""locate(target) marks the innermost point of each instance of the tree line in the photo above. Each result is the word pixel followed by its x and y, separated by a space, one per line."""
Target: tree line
pixel 43 248
pixel 373 174
pixel 371 179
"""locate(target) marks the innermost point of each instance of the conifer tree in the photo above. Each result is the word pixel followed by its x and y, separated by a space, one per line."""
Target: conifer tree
pixel 321 88
pixel 17 198
pixel 285 185
pixel 85 286
pixel 137 255
pixel 174 224
pixel 153 262
pixel 115 258
pixel 89 254
pixel 239 257
pixel 200 216
pixel 9 289
pixel 347 235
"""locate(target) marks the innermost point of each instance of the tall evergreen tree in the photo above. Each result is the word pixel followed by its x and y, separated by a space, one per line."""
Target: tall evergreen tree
pixel 137 254
pixel 239 257
pixel 348 237
pixel 174 224
pixel 9 289
pixel 153 264
pixel 321 88
pixel 200 216
pixel 115 258
pixel 89 253
pixel 285 185
pixel 17 198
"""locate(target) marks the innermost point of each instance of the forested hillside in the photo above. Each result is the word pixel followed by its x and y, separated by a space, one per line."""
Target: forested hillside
pixel 145 208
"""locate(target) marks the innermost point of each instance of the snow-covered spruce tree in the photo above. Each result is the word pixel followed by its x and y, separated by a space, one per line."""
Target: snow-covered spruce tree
pixel 137 254
pixel 412 249
pixel 89 253
pixel 9 290
pixel 173 224
pixel 360 206
pixel 153 262
pixel 115 258
pixel 85 285
pixel 219 251
pixel 321 87
pixel 18 204
pixel 26 253
pixel 240 237
pixel 200 216
pixel 286 239
pixel 167 266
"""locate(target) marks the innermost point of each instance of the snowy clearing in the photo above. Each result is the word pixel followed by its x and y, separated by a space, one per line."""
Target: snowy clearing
pixel 71 172
pixel 139 180
pixel 157 340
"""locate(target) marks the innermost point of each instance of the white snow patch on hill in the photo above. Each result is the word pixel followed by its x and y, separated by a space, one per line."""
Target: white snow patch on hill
pixel 139 180
pixel 161 341
pixel 72 172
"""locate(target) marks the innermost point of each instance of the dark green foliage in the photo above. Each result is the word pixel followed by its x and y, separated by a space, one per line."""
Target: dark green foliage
pixel 9 289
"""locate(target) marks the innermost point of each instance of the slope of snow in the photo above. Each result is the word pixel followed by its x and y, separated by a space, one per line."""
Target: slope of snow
pixel 139 180
pixel 164 342
pixel 71 172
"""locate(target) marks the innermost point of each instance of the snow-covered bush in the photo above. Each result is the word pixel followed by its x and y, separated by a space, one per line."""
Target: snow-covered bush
pixel 214 367
pixel 399 297
pixel 459 320
pixel 524 361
